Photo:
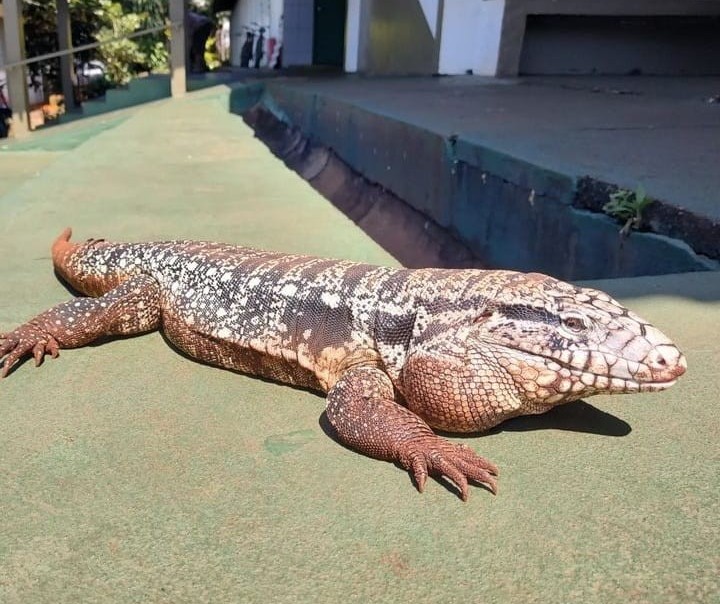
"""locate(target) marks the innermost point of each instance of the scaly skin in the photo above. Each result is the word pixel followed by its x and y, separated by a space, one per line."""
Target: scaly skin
pixel 397 351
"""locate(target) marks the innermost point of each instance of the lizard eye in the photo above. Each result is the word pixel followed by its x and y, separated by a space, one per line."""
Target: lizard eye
pixel 483 317
pixel 574 324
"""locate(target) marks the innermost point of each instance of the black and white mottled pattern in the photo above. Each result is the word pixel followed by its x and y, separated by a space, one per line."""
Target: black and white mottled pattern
pixel 397 350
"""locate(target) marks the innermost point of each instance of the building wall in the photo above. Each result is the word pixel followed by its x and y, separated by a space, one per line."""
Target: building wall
pixel 471 36
pixel 3 75
pixel 299 20
pixel 400 37
pixel 251 15
pixel 657 45
pixel 490 37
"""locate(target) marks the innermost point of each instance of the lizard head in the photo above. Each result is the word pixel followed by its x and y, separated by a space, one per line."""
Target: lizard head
pixel 580 341
pixel 536 343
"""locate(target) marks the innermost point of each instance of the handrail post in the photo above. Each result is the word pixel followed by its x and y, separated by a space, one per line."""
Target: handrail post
pixel 66 61
pixel 16 79
pixel 178 82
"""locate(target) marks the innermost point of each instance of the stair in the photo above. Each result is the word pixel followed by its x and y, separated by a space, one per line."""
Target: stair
pixel 140 90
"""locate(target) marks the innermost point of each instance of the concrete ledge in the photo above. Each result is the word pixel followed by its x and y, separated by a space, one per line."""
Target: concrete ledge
pixel 510 213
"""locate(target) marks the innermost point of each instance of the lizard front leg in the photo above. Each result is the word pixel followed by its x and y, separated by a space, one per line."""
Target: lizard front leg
pixel 361 407
pixel 132 307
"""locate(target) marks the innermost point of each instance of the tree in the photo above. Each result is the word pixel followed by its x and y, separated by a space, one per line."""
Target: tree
pixel 98 20
pixel 40 24
pixel 120 56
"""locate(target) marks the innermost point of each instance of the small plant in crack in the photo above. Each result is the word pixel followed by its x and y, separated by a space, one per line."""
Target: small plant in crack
pixel 627 206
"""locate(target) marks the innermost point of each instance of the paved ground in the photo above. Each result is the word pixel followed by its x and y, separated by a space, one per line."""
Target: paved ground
pixel 130 474
pixel 659 132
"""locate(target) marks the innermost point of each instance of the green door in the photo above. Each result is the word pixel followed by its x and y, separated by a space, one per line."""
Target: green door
pixel 329 32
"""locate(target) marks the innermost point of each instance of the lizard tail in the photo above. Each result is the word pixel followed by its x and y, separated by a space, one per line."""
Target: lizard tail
pixel 61 249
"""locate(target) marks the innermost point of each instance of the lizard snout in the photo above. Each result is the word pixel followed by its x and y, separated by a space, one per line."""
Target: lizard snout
pixel 666 363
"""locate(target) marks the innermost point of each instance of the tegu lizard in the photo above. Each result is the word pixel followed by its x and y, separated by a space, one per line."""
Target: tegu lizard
pixel 399 352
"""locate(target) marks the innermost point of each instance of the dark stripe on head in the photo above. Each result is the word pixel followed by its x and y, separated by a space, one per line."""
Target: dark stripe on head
pixel 524 312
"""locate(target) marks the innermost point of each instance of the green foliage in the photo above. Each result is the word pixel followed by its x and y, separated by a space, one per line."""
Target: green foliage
pixel 120 56
pixel 40 26
pixel 154 11
pixel 212 59
pixel 627 206
pixel 152 46
pixel 97 20
pixel 155 52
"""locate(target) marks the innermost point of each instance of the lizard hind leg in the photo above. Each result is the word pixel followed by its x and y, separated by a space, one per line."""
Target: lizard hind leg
pixel 362 409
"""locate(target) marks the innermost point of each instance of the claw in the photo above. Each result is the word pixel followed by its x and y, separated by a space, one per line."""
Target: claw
pixel 468 455
pixel 6 367
pixel 431 454
pixel 27 339
pixel 449 470
pixel 53 348
pixel 38 353
pixel 419 472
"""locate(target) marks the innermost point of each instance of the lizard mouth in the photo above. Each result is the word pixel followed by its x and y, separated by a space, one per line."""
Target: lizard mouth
pixel 609 385
pixel 624 384
pixel 655 386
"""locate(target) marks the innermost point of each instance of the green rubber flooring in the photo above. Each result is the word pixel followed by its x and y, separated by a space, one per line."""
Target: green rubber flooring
pixel 131 474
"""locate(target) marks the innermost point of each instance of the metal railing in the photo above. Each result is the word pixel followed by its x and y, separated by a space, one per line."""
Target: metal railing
pixel 75 49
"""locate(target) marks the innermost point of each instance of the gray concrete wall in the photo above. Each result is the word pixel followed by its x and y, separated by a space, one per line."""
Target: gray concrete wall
pixel 399 40
pixel 621 45
pixel 510 213
pixel 298 32
pixel 548 52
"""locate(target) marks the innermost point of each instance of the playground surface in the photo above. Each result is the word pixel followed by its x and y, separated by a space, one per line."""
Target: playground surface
pixel 129 473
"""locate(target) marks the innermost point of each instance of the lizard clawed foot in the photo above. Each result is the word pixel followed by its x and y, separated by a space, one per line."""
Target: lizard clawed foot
pixel 26 339
pixel 434 455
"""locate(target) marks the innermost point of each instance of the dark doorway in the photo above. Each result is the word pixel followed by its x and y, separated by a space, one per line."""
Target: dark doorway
pixel 329 32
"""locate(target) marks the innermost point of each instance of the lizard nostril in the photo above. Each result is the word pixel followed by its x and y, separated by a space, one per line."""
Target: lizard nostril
pixel 667 359
pixel 656 360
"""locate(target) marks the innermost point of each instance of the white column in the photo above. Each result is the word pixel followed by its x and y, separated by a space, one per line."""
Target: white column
pixel 352 35
pixel 16 80
pixel 471 36
pixel 178 82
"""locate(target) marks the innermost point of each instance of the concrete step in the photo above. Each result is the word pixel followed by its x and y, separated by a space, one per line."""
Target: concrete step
pixel 140 90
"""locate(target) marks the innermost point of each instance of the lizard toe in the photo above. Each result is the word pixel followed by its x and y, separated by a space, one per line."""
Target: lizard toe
pixel 419 471
pixel 460 464
pixel 479 475
pixel 24 340
pixel 468 455
pixel 446 468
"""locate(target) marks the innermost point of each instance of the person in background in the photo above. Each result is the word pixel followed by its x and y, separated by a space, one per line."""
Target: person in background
pixel 260 48
pixel 247 49
pixel 199 27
